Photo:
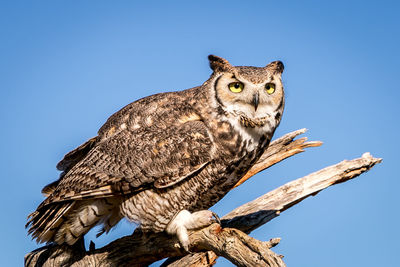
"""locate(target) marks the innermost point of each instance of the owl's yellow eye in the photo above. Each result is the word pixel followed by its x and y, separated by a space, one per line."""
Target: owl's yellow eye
pixel 270 88
pixel 236 87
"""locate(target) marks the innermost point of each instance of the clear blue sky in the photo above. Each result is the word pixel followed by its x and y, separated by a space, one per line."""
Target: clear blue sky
pixel 66 66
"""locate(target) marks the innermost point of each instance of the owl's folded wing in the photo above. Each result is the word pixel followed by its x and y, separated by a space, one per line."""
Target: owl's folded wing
pixel 131 161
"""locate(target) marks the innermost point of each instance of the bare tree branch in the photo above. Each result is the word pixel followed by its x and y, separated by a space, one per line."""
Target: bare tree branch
pixel 141 250
pixel 280 149
pixel 293 192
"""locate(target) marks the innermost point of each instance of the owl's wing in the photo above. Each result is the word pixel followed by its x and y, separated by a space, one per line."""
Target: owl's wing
pixel 69 161
pixel 76 155
pixel 130 161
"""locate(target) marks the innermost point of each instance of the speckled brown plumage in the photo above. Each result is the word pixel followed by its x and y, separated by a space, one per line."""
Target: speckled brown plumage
pixel 162 154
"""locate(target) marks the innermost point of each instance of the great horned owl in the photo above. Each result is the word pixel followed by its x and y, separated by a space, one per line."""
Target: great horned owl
pixel 163 160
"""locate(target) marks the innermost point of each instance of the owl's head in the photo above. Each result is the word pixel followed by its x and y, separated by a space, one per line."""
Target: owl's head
pixel 254 95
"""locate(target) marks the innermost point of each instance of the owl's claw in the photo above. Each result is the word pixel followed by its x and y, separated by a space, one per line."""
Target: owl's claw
pixel 216 218
pixel 185 221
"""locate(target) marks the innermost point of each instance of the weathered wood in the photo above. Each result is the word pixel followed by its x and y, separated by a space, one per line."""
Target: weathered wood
pixel 291 193
pixel 141 250
pixel 280 149
pixel 251 253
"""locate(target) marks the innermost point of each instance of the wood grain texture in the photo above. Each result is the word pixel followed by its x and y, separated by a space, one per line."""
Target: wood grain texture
pixel 230 241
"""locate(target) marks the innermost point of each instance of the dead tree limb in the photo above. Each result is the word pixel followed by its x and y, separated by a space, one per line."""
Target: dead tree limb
pixel 141 250
pixel 280 149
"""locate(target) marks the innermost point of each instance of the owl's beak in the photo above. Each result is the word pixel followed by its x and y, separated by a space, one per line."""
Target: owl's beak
pixel 255 101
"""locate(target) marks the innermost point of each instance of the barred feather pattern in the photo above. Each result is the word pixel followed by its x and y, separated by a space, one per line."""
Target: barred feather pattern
pixel 163 154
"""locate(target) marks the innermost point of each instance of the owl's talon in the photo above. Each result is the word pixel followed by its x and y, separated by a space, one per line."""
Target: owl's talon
pixel 184 221
pixel 185 246
pixel 216 218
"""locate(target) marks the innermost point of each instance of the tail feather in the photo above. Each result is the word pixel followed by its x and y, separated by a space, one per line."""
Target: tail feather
pixel 46 217
pixel 44 222
pixel 67 222
pixel 53 226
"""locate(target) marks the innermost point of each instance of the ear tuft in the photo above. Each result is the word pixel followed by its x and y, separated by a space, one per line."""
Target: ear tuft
pixel 276 66
pixel 219 64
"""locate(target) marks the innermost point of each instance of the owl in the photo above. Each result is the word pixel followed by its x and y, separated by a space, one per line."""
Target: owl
pixel 163 160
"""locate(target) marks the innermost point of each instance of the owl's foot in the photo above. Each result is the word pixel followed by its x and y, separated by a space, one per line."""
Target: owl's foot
pixel 185 221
